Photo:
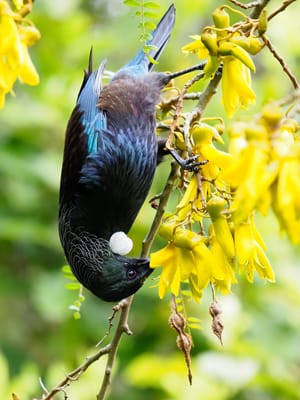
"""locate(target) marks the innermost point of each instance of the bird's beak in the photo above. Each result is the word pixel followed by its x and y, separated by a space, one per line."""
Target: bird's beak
pixel 144 264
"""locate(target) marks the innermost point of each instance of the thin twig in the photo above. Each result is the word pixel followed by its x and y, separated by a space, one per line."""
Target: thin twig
pixel 121 328
pixel 204 99
pixel 283 6
pixel 168 104
pixel 179 105
pixel 285 67
pixel 243 5
pixel 115 309
pixel 75 374
pixel 147 243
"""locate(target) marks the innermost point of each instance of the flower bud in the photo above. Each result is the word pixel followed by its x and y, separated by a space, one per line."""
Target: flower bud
pixel 229 48
pixel 186 238
pixel 272 114
pixel 262 22
pixel 215 206
pixel 209 39
pixel 29 34
pixel 221 18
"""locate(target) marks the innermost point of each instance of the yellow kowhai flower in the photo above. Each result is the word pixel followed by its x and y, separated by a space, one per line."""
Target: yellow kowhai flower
pixel 183 265
pixel 216 207
pixel 286 197
pixel 15 38
pixel 252 171
pixel 196 46
pixel 203 136
pixel 223 275
pixel 250 252
pixel 236 85
pixel 190 206
pixel 186 258
pixel 265 169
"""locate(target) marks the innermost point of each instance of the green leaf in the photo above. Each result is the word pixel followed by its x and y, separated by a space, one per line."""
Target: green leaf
pixel 81 298
pixel 66 269
pixel 149 47
pixel 145 36
pixel 186 293
pixel 73 286
pixel 194 319
pixel 195 326
pixel 76 315
pixel 70 277
pixel 151 59
pixel 149 25
pixel 132 3
pixel 151 4
pixel 149 14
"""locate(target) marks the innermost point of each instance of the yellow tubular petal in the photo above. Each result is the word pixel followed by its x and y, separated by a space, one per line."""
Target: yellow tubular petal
pixel 190 194
pixel 196 292
pixel 224 237
pixel 220 158
pixel 204 263
pixel 27 73
pixel 242 55
pixel 262 264
pixel 169 276
pixel 236 90
pixel 244 240
pixel 163 256
pixel 9 33
pixel 29 34
pixel 185 263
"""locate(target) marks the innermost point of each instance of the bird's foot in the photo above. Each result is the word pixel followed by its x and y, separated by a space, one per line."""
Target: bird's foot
pixel 189 164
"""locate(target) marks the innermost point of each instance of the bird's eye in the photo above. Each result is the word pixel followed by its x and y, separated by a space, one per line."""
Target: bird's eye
pixel 131 273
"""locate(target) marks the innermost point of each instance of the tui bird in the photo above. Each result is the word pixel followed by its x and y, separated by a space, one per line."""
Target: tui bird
pixel 110 157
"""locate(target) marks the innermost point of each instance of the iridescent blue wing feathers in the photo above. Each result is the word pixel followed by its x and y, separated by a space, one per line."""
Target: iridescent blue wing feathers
pixel 93 118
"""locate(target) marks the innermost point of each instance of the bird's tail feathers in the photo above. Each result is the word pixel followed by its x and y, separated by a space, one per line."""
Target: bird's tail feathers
pixel 160 37
pixel 98 78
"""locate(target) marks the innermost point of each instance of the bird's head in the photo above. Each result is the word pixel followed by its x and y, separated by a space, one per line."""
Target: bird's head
pixel 120 277
pixel 108 273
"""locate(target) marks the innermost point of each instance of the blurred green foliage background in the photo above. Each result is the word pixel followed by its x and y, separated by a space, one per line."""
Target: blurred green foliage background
pixel 260 358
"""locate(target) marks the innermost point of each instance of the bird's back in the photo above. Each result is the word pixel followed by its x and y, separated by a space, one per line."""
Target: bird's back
pixel 111 149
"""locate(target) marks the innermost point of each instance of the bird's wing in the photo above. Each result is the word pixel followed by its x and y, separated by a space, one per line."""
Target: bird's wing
pixel 82 135
pixel 93 118
pixel 141 63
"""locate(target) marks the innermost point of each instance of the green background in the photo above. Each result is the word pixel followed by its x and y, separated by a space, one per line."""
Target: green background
pixel 260 358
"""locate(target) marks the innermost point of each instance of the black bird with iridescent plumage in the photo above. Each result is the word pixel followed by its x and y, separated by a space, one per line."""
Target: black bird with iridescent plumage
pixel 110 157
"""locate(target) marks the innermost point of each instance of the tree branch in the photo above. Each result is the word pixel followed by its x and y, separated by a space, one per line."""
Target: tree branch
pixel 285 67
pixel 122 327
pixel 283 6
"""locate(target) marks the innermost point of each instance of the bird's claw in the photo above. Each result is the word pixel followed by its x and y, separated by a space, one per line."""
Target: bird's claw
pixel 189 164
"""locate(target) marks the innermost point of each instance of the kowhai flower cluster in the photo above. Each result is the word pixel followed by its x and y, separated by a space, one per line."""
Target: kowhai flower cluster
pixel 16 35
pixel 205 243
pixel 266 168
pixel 211 235
pixel 231 46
